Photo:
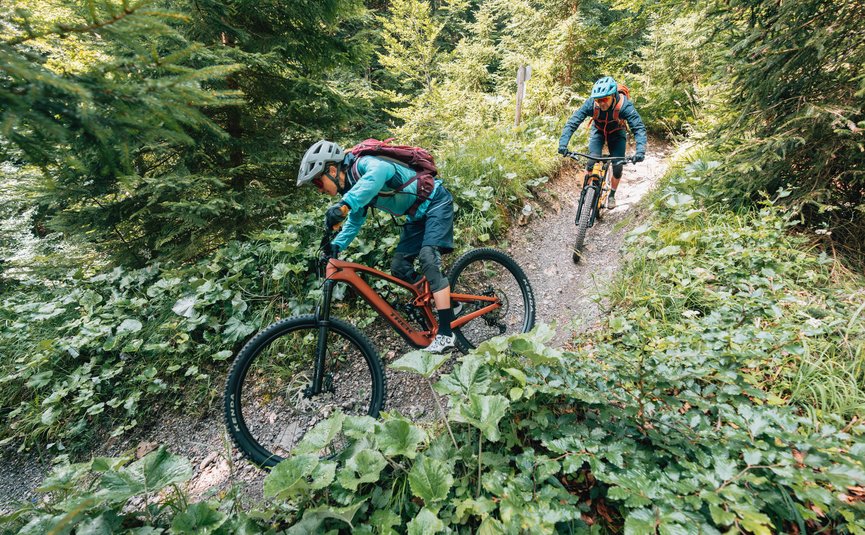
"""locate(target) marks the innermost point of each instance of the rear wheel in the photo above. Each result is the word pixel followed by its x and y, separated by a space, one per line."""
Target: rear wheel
pixel 583 224
pixel 269 406
pixel 490 272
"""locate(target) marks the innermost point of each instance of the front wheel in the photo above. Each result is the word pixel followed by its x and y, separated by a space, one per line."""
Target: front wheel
pixel 583 224
pixel 490 272
pixel 269 404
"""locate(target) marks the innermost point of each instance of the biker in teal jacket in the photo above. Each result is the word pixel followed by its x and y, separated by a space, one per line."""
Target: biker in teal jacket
pixel 374 182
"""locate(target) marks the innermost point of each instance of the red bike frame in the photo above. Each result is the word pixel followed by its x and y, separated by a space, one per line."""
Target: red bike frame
pixel 349 273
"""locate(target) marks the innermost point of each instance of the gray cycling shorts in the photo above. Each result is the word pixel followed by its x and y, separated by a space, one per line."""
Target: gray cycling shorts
pixel 435 228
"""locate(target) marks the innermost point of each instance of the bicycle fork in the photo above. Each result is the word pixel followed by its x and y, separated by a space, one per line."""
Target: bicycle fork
pixel 594 212
pixel 322 319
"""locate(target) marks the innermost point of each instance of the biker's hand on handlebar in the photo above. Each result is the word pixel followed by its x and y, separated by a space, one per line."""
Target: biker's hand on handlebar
pixel 335 215
pixel 563 149
pixel 328 253
pixel 638 157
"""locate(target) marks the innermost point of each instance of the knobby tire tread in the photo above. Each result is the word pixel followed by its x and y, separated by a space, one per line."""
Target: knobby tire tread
pixel 240 437
pixel 583 224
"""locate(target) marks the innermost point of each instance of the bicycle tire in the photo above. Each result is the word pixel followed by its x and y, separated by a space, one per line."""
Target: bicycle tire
pixel 583 224
pixel 489 271
pixel 265 396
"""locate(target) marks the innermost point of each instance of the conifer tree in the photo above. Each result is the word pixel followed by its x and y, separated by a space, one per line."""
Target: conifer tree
pixel 107 135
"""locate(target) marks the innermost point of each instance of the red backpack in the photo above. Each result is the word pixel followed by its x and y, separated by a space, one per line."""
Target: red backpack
pixel 616 123
pixel 419 160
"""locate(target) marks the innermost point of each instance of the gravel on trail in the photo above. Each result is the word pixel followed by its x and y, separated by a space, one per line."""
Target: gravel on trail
pixel 541 243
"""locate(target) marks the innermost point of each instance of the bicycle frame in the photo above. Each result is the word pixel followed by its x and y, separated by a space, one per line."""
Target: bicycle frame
pixel 349 273
pixel 594 180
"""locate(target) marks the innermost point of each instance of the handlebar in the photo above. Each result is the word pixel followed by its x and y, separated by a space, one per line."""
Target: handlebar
pixel 615 159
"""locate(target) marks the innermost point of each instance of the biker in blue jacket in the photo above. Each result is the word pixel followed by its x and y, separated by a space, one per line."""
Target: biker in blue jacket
pixel 373 182
pixel 606 128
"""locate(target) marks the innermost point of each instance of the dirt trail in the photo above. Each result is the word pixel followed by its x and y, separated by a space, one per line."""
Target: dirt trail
pixel 542 247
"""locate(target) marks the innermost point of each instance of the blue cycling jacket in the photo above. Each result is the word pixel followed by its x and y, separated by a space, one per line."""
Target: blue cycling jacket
pixel 627 112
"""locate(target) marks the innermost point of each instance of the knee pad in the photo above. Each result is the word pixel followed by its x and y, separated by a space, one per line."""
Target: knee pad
pixel 402 267
pixel 431 266
pixel 617 170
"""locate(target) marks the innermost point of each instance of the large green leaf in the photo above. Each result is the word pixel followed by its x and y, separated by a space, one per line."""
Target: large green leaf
pixel 491 526
pixel 483 412
pixel 469 377
pixel 420 362
pixel 640 522
pixel 186 306
pixel 526 346
pixel 362 467
pixel 360 426
pixel 149 474
pixel 202 517
pixel 321 434
pixel 297 475
pixel 430 479
pixel 312 519
pixel 235 329
pixel 129 326
pixel 399 437
pixel 424 523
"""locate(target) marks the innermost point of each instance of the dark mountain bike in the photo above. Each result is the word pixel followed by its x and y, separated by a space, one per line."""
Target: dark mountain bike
pixel 298 371
pixel 593 198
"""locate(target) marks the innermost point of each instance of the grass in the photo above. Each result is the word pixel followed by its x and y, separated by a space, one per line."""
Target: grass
pixel 699 267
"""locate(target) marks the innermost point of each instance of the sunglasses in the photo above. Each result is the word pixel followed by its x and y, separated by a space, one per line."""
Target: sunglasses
pixel 604 100
pixel 318 183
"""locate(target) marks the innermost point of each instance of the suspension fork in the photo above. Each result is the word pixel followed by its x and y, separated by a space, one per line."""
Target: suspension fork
pixel 593 184
pixel 322 319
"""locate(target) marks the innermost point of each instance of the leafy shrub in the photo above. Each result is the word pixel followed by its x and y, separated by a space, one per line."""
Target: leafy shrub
pixel 677 416
pixel 112 495
pixel 91 347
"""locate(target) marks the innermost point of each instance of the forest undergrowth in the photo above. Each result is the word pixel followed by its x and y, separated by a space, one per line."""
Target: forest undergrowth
pixel 723 391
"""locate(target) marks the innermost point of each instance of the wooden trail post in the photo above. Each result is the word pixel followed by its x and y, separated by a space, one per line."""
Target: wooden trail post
pixel 523 74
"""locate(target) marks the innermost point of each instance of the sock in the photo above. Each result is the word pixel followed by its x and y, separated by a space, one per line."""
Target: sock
pixel 446 316
pixel 612 192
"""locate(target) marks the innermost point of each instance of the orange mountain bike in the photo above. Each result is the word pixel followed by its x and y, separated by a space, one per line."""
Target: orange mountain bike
pixel 299 370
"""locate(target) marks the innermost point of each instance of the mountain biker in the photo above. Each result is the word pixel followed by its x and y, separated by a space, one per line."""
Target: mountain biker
pixel 370 181
pixel 611 102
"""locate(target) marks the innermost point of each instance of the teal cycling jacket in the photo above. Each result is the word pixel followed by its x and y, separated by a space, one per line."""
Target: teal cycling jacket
pixel 628 113
pixel 375 183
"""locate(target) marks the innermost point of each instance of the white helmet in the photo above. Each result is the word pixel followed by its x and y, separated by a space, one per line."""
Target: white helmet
pixel 316 158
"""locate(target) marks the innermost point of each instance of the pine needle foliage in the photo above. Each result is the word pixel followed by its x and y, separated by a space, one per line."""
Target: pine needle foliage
pixel 107 137
pixel 796 70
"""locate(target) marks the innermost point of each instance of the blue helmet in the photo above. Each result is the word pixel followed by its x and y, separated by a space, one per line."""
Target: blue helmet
pixel 605 87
